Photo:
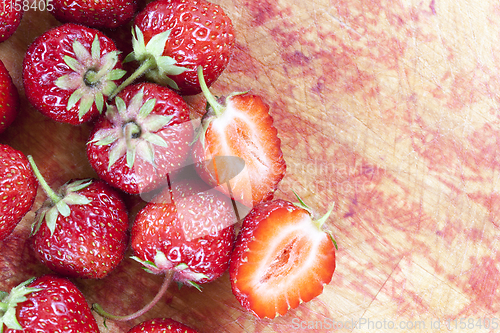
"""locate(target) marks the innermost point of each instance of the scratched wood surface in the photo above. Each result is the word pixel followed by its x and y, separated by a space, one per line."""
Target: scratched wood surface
pixel 387 108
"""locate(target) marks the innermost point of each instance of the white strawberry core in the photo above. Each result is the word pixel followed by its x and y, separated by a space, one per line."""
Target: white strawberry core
pixel 292 255
pixel 229 122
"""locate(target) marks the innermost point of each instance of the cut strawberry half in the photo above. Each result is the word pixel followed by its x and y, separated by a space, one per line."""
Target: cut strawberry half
pixel 239 125
pixel 282 258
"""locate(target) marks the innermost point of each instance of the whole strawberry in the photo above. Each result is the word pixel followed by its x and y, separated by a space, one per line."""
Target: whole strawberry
pixel 187 229
pixel 187 233
pixel 69 71
pixel 96 14
pixel 18 188
pixel 282 258
pixel 142 137
pixel 10 18
pixel 161 325
pixel 9 99
pixel 81 231
pixel 173 37
pixel 46 304
pixel 239 126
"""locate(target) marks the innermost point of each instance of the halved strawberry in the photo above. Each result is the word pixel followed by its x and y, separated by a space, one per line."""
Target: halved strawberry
pixel 239 125
pixel 282 258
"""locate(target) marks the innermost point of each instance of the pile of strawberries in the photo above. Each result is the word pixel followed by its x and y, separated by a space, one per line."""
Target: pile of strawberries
pixel 207 184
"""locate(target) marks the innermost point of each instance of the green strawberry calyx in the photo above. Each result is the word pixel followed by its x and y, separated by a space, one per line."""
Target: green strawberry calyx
pixel 156 66
pixel 319 223
pixel 93 77
pixel 9 301
pixel 57 203
pixel 161 264
pixel 134 131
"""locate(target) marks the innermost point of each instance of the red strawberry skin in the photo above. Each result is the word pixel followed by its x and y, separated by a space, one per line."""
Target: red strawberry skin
pixel 161 325
pixel 9 98
pixel 190 224
pixel 18 188
pixel 202 35
pixel 280 259
pixel 58 307
pixel 96 14
pixel 144 176
pixel 91 241
pixel 44 63
pixel 10 18
pixel 246 130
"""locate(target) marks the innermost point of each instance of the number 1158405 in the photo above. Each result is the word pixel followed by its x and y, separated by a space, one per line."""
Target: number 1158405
pixel 25 5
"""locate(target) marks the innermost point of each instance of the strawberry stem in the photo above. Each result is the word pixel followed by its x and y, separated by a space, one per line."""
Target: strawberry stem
pixel 146 65
pixel 46 188
pixel 216 106
pixel 163 289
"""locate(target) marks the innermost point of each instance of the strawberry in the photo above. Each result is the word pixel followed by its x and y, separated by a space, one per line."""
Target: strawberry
pixel 173 37
pixel 188 228
pixel 95 14
pixel 18 188
pixel 161 325
pixel 187 233
pixel 10 18
pixel 81 231
pixel 282 258
pixel 142 137
pixel 46 304
pixel 9 99
pixel 241 126
pixel 69 71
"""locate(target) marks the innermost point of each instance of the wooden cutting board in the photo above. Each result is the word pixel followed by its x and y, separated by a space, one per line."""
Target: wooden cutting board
pixel 387 108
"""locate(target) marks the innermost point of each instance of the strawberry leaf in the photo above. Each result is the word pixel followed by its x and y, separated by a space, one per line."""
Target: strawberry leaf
pixel 130 155
pixel 81 54
pixel 155 139
pixel 117 151
pixel 333 240
pixel 96 49
pixel 63 208
pixel 74 98
pixel 194 284
pixel 85 104
pixel 72 63
pixel 155 122
pixel 76 199
pixel 78 185
pixel 99 101
pixel 51 219
pixel 157 44
pixel 147 107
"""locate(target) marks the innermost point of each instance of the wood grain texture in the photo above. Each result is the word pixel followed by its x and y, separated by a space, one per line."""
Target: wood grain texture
pixel 387 108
